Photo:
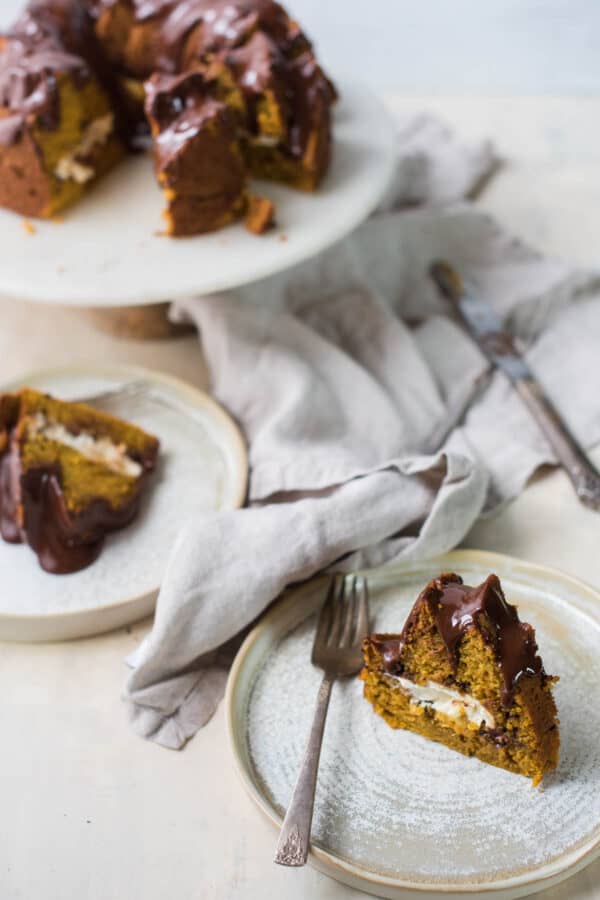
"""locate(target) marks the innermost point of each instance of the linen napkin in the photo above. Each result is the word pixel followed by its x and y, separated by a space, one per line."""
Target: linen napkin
pixel 343 373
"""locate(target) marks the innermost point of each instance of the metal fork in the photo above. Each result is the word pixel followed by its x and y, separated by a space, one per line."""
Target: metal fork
pixel 342 626
pixel 129 390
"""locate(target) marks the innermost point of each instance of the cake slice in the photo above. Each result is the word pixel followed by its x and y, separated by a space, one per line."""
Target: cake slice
pixel 198 160
pixel 465 671
pixel 57 125
pixel 288 97
pixel 68 475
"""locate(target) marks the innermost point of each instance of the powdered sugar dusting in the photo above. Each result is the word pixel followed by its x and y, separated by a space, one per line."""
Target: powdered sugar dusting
pixel 399 805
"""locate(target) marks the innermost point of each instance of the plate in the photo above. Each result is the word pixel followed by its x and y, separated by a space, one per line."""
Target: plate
pixel 108 250
pixel 399 816
pixel 202 468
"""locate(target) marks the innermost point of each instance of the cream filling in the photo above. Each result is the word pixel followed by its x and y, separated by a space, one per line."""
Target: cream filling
pixel 98 449
pixel 446 701
pixel 69 166
pixel 266 140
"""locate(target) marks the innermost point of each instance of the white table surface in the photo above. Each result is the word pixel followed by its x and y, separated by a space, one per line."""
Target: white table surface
pixel 91 812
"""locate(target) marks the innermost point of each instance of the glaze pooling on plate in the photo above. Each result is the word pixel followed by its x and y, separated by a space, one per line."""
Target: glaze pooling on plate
pixel 400 806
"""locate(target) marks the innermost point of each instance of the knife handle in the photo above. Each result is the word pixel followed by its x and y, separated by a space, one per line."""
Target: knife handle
pixel 583 474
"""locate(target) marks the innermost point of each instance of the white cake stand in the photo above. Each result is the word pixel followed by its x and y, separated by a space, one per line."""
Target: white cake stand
pixel 108 251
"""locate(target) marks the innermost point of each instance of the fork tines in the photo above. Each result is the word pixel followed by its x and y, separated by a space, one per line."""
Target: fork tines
pixel 344 618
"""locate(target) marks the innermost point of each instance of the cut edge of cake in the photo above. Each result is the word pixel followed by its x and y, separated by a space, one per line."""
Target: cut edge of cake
pixel 465 672
pixel 58 131
pixel 69 475
pixel 198 159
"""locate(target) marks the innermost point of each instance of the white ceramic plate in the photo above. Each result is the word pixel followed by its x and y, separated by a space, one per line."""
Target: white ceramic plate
pixel 108 251
pixel 202 467
pixel 397 815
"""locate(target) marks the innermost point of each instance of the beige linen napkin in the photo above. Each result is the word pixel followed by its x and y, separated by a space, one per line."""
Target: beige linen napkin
pixel 340 372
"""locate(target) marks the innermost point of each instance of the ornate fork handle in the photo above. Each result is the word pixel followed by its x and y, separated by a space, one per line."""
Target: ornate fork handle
pixel 292 849
pixel 583 474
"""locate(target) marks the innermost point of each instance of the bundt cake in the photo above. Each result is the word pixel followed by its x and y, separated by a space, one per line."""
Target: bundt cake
pixel 465 671
pixel 68 475
pixel 227 89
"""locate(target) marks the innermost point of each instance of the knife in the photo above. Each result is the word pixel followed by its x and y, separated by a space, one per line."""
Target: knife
pixel 499 348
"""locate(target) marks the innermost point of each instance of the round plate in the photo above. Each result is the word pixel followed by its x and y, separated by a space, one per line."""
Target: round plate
pixel 397 815
pixel 202 468
pixel 108 250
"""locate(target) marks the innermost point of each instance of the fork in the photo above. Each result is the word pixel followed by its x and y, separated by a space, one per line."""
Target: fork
pixel 132 391
pixel 127 391
pixel 342 626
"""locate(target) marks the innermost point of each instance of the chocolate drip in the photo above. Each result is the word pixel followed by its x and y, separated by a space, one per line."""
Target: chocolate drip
pixel 312 93
pixel 220 25
pixel 64 542
pixel 53 38
pixel 47 527
pixel 225 23
pixel 456 608
pixel 180 106
pixel 28 84
pixel 391 653
pixel 36 50
pixel 256 40
pixel 9 475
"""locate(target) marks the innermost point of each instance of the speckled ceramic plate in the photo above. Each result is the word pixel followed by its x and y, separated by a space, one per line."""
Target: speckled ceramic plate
pixel 202 467
pixel 108 249
pixel 397 815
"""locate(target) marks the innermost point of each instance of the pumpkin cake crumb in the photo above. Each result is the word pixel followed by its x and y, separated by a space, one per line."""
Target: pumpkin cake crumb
pixel 465 672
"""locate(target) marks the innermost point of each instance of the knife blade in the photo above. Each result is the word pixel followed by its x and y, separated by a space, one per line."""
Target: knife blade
pixel 500 349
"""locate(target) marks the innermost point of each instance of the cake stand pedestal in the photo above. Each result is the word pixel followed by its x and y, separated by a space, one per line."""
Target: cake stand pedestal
pixel 140 323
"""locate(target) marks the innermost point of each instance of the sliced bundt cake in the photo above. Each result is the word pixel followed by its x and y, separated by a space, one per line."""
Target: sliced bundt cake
pixel 228 88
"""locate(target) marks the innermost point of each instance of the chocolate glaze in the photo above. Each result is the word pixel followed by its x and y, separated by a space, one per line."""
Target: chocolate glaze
pixel 178 99
pixel 33 511
pixel 225 23
pixel 65 543
pixel 179 106
pixel 28 84
pixel 256 40
pixel 302 92
pixel 312 94
pixel 456 608
pixel 42 44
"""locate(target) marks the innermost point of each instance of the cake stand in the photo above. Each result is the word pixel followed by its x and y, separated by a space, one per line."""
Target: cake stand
pixel 108 252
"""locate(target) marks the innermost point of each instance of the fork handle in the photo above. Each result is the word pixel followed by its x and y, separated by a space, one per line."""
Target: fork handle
pixel 292 849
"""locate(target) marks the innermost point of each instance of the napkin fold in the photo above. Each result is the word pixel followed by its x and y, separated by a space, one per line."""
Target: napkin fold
pixel 344 374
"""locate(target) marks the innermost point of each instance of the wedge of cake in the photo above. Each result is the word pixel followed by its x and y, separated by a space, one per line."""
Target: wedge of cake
pixel 68 475
pixel 57 125
pixel 287 134
pixel 198 160
pixel 465 671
